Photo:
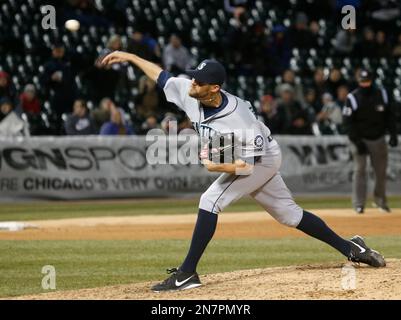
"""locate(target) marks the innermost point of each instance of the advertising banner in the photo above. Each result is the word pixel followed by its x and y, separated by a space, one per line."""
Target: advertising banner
pixel 90 167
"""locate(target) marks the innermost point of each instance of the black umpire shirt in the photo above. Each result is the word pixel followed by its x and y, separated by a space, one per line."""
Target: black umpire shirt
pixel 369 114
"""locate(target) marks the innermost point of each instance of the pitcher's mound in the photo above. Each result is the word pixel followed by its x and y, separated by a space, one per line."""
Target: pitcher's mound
pixel 328 281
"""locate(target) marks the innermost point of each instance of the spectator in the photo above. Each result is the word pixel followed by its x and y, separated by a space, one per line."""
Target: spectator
pixel 176 57
pixel 113 44
pixel 268 111
pixel 300 36
pixel 107 80
pixel 383 47
pixel 238 9
pixel 236 43
pixel 10 123
pixel 149 124
pixel 79 122
pixel 319 84
pixel 103 113
pixel 342 93
pixel 311 102
pixel 255 48
pixel 397 47
pixel 28 102
pixel 366 47
pixel 169 123
pixel 329 118
pixel 7 90
pixel 334 81
pixel 353 81
pixel 116 125
pixel 344 42
pixel 144 45
pixel 289 78
pixel 59 79
pixel 291 118
pixel 279 51
pixel 314 28
pixel 6 108
pixel 88 12
pixel 149 98
pixel 38 125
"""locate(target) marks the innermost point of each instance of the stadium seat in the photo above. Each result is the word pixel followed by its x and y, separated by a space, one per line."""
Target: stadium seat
pixel 203 24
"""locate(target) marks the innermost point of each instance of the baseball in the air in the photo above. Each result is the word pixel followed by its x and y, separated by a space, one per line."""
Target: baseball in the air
pixel 72 25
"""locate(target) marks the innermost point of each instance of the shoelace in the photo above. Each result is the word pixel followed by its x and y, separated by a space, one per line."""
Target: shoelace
pixel 354 259
pixel 172 270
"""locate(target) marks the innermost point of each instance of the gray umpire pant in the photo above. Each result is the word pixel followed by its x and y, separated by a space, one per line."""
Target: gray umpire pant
pixel 377 152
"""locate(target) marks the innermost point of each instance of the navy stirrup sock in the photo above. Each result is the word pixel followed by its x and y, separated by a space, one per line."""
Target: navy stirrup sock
pixel 203 233
pixel 206 226
pixel 317 228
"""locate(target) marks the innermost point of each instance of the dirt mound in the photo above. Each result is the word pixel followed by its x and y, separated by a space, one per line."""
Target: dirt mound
pixel 295 282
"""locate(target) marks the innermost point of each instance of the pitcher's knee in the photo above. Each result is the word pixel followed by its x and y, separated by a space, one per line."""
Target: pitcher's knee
pixel 290 217
pixel 209 203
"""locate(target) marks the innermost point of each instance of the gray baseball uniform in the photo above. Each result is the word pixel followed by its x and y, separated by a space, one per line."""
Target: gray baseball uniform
pixel 253 138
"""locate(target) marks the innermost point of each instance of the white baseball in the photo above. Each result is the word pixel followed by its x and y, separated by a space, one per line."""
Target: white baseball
pixel 72 25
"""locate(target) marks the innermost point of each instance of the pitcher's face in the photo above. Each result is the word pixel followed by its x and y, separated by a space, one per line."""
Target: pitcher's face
pixel 201 91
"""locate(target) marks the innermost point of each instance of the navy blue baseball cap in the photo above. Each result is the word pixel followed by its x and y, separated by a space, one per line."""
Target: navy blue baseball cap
pixel 209 71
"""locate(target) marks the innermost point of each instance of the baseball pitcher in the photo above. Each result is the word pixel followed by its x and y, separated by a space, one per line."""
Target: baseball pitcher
pixel 253 171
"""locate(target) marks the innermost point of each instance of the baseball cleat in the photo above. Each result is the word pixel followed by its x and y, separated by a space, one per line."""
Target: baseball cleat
pixel 179 280
pixel 360 252
pixel 382 208
pixel 359 210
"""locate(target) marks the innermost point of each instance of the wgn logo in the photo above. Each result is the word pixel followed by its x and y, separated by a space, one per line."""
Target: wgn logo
pixel 49 280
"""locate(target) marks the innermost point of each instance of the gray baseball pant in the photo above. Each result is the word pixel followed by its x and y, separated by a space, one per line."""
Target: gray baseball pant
pixel 377 152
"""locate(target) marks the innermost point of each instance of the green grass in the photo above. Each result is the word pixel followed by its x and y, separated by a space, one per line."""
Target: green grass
pixel 60 210
pixel 85 264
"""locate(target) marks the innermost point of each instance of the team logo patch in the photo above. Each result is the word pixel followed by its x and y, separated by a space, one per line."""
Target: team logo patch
pixel 380 108
pixel 258 142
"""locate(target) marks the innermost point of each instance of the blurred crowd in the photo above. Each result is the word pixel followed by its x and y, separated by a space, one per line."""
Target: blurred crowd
pixel 76 95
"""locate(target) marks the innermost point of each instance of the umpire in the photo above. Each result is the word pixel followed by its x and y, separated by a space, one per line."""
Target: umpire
pixel 368 116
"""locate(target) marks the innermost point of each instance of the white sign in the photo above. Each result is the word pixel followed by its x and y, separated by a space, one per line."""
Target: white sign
pixel 115 167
